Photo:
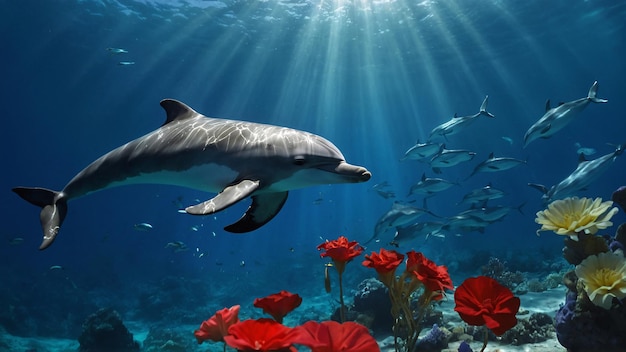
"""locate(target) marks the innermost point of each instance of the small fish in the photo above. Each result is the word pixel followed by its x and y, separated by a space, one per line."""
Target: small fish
pixel 381 190
pixel 182 211
pixel 56 267
pixel 195 228
pixel 15 241
pixel 126 63
pixel 144 226
pixel 327 277
pixel 508 139
pixel 583 150
pixel 117 51
pixel 242 263
pixel 177 246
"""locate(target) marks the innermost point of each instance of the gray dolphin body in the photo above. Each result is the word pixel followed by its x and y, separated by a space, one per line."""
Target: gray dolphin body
pixel 457 124
pixel 556 118
pixel 586 172
pixel 235 159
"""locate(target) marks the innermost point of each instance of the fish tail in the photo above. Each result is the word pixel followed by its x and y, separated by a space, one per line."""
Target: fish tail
pixel 483 108
pixel 593 91
pixel 53 210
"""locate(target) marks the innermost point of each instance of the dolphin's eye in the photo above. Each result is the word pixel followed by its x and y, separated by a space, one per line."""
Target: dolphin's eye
pixel 299 160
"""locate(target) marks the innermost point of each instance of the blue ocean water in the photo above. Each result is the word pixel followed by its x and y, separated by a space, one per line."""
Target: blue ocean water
pixel 373 77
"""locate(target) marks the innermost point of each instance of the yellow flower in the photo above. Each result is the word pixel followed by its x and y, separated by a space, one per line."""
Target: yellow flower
pixel 571 216
pixel 604 277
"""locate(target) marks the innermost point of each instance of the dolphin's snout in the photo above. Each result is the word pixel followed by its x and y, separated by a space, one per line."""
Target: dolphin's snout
pixel 354 172
pixel 366 175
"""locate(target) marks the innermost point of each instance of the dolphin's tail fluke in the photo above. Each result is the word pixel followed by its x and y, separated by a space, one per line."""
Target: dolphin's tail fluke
pixel 592 94
pixel 483 108
pixel 53 210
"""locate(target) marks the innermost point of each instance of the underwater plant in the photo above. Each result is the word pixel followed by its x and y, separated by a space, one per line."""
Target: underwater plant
pixel 278 304
pixel 262 334
pixel 592 317
pixel 573 215
pixel 483 301
pixel 420 272
pixel 341 251
pixel 603 277
pixel 216 327
pixel 345 337
pixel 268 335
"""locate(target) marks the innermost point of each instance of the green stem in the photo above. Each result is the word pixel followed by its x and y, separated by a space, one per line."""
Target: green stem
pixel 342 314
pixel 485 340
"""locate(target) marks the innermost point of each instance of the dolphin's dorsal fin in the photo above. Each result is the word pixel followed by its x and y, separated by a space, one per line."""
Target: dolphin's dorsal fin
pixel 424 176
pixel 456 116
pixel 581 158
pixel 561 103
pixel 176 110
pixel 491 156
pixel 547 104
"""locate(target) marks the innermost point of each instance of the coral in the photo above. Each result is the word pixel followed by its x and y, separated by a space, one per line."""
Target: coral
pixel 537 328
pixel 104 331
pixel 372 299
pixel 619 197
pixel 582 326
pixel 166 339
pixel 575 251
pixel 497 269
pixel 436 340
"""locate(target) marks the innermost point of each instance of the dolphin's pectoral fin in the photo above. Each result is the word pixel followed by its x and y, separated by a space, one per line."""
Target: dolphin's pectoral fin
pixel 546 129
pixel 263 209
pixel 227 197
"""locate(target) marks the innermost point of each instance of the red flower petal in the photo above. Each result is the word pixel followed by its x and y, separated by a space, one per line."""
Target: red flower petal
pixel 340 249
pixel 262 335
pixel 434 277
pixel 216 327
pixel 278 304
pixel 331 336
pixel 383 262
pixel 483 301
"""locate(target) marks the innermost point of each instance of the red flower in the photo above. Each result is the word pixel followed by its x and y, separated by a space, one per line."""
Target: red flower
pixel 483 301
pixel 340 251
pixel 217 326
pixel 278 304
pixel 435 278
pixel 330 336
pixel 385 264
pixel 263 335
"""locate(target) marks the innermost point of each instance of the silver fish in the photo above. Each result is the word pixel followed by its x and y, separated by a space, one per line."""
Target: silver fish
pixel 556 118
pixel 586 172
pixel 430 185
pixel 457 124
pixel 495 164
pixel 422 151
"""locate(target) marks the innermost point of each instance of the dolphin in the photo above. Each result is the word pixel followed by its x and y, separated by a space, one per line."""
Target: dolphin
pixel 449 158
pixel 430 185
pixel 494 164
pixel 235 159
pixel 556 118
pixel 422 151
pixel 456 124
pixel 586 172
